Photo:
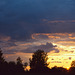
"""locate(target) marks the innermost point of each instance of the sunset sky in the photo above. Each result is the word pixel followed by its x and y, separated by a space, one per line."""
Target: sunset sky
pixel 29 25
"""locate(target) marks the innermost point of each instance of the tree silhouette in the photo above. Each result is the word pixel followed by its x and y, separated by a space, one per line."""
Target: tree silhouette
pixel 72 68
pixel 2 61
pixel 19 61
pixel 19 65
pixel 25 64
pixel 1 56
pixel 73 64
pixel 58 69
pixel 39 60
pixel 12 67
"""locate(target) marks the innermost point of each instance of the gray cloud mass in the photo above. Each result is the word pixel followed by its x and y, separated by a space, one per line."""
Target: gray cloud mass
pixel 47 48
pixel 21 18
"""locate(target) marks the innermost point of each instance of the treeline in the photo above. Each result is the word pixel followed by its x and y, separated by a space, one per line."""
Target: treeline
pixel 11 67
pixel 38 64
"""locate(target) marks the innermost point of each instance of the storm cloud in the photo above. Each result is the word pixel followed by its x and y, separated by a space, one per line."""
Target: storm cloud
pixel 19 19
pixel 12 49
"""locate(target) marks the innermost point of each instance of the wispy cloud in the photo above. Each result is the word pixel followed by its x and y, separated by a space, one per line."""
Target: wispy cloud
pixel 58 21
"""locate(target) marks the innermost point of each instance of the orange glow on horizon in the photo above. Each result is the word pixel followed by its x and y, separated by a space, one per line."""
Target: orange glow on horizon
pixel 68 68
pixel 27 68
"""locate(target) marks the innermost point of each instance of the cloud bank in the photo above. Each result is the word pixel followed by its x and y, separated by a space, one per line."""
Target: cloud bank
pixel 21 18
pixel 47 48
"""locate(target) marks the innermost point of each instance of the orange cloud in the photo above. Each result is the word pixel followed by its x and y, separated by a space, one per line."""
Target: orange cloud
pixel 66 42
pixel 52 35
pixel 72 37
pixel 70 34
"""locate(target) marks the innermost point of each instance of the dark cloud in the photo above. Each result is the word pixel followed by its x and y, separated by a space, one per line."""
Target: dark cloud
pixel 4 38
pixel 70 58
pixel 47 48
pixel 12 49
pixel 21 18
pixel 6 47
pixel 6 41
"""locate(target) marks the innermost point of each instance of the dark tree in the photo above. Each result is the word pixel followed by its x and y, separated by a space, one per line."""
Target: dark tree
pixel 39 60
pixel 19 61
pixel 72 68
pixel 25 64
pixel 2 61
pixel 73 64
pixel 12 67
pixel 1 56
pixel 19 65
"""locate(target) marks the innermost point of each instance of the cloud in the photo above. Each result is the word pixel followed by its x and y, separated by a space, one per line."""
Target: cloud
pixel 39 36
pixel 69 37
pixel 5 38
pixel 29 48
pixel 58 21
pixel 12 57
pixel 47 48
pixel 21 18
pixel 68 51
pixel 39 41
pixel 50 35
pixel 7 44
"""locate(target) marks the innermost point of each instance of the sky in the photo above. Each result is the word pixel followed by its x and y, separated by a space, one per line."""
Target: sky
pixel 29 25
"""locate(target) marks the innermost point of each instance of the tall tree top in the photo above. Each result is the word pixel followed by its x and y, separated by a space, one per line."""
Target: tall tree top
pixel 39 59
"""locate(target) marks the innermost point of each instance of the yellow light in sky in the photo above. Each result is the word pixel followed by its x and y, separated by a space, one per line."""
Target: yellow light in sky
pixel 64 43
pixel 72 47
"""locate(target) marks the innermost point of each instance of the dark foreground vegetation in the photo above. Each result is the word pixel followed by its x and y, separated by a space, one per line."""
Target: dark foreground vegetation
pixel 38 65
